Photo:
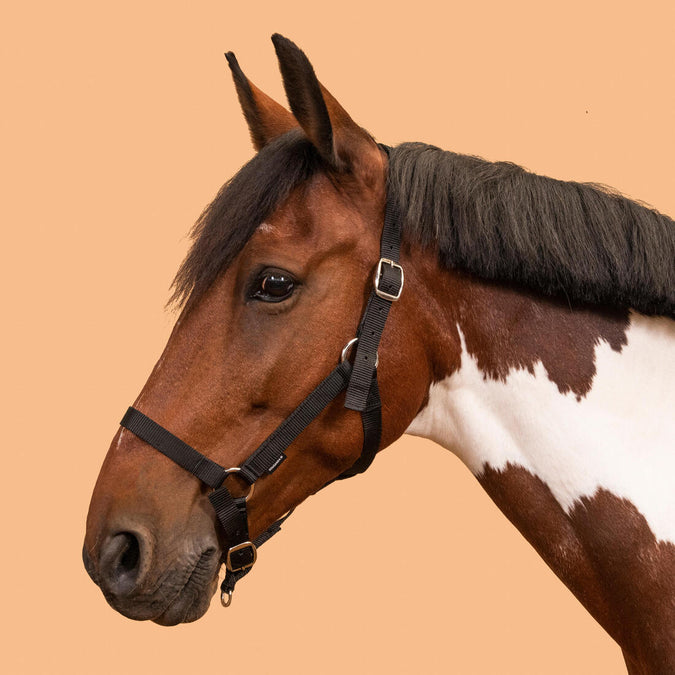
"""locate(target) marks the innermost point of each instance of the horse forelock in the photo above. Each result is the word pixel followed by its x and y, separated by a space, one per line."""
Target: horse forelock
pixel 241 206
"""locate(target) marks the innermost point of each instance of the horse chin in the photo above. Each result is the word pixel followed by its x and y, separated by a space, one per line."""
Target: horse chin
pixel 190 605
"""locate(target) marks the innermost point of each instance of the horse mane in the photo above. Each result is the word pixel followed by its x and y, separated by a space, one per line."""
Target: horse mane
pixel 496 220
pixel 500 222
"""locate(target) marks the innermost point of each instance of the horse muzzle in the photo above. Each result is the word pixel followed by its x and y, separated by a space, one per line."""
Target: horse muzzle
pixel 125 568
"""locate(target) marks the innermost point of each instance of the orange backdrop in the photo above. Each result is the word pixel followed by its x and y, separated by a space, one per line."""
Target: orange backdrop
pixel 119 123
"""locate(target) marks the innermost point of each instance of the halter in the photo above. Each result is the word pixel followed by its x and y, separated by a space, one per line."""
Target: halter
pixel 360 381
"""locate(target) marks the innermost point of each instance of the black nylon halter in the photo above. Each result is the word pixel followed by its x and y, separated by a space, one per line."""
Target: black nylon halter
pixel 360 381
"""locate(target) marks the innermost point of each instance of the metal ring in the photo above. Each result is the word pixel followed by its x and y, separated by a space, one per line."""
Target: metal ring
pixel 349 345
pixel 237 469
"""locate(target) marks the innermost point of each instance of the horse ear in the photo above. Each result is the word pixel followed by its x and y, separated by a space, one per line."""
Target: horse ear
pixel 266 119
pixel 342 142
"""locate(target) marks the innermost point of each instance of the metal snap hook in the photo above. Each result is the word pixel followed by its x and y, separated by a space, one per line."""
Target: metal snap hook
pixel 225 598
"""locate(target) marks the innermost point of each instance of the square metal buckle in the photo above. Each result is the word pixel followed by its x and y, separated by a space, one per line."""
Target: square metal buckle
pixel 242 560
pixel 378 274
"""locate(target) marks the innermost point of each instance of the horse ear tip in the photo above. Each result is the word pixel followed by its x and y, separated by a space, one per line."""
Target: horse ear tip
pixel 283 43
pixel 237 73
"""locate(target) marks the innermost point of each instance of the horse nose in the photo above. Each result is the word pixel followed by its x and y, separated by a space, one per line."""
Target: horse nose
pixel 123 562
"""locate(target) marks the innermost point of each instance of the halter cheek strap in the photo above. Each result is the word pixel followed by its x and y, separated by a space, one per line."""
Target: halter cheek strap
pixel 360 381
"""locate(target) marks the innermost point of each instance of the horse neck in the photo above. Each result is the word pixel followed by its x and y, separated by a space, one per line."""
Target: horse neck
pixel 565 417
pixel 525 381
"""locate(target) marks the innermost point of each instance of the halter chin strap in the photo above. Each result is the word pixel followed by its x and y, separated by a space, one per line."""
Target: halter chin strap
pixel 360 381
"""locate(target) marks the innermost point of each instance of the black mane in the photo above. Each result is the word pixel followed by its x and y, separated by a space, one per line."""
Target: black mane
pixel 495 220
pixel 502 223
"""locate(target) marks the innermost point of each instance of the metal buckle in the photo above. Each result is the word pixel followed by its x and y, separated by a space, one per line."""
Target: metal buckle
pixel 241 547
pixel 378 273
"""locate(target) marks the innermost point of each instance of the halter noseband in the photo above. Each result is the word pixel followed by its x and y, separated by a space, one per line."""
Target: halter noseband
pixel 360 381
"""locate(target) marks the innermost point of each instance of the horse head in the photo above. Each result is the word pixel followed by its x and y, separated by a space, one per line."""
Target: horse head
pixel 271 292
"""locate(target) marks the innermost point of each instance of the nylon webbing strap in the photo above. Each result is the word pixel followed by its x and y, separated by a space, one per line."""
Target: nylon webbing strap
pixel 231 513
pixel 390 243
pixel 270 453
pixel 180 452
pixel 371 420
pixel 370 331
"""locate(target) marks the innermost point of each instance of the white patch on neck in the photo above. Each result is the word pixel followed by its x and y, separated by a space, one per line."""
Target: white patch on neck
pixel 620 436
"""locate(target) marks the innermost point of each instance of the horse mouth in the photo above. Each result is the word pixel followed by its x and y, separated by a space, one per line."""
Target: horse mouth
pixel 193 597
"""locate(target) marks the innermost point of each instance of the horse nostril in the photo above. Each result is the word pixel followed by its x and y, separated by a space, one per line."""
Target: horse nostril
pixel 129 559
pixel 120 563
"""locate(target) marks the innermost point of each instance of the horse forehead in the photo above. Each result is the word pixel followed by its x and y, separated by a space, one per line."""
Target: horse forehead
pixel 319 215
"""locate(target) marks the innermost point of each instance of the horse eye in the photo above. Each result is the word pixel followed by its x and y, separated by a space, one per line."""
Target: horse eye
pixel 274 287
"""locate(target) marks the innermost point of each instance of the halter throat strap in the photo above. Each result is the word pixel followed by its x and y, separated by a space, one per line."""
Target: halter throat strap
pixel 360 381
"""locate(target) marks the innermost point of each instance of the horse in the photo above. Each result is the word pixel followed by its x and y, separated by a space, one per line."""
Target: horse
pixel 529 330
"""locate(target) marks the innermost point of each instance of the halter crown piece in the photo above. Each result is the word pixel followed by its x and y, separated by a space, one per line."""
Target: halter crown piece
pixel 360 381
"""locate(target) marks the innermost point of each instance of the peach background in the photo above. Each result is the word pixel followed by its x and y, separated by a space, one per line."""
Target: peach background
pixel 119 123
